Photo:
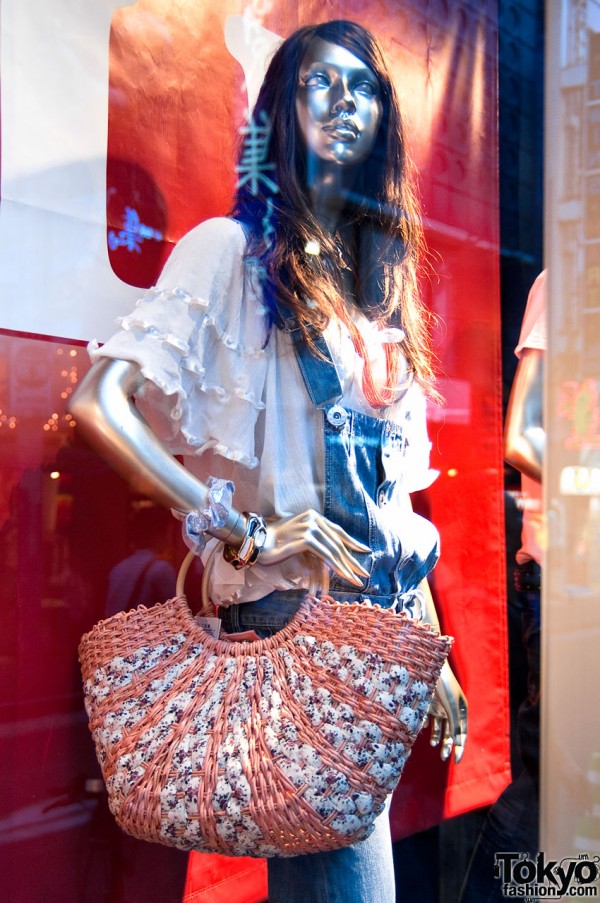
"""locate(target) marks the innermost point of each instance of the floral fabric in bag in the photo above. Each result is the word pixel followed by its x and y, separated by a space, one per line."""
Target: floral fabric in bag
pixel 279 747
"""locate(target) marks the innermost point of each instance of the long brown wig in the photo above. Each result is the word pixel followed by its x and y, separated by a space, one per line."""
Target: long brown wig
pixel 382 236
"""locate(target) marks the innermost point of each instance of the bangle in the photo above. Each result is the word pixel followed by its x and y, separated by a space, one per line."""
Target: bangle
pixel 251 546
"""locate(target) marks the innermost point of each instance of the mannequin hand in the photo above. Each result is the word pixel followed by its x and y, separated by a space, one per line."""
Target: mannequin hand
pixel 312 532
pixel 448 715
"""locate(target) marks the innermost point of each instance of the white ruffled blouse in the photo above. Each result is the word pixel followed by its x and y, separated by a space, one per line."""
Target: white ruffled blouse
pixel 227 394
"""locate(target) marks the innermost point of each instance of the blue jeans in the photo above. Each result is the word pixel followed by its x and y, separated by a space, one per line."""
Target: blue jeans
pixel 363 873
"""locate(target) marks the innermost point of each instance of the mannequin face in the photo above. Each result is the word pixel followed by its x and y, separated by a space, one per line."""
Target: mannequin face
pixel 338 104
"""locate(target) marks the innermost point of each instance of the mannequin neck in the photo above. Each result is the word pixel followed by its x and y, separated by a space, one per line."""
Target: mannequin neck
pixel 329 188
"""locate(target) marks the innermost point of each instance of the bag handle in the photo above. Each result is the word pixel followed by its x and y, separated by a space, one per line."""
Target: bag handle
pixel 318 570
pixel 182 574
pixel 207 608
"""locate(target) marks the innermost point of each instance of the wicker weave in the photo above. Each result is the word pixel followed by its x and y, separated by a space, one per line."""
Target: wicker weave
pixel 283 746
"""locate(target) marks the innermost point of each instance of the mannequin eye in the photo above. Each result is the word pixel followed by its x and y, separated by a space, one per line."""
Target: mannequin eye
pixel 368 88
pixel 316 80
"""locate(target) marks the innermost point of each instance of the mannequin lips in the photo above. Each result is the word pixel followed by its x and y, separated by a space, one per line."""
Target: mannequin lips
pixel 341 128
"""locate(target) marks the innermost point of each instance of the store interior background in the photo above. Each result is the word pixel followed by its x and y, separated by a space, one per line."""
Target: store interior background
pixel 70 825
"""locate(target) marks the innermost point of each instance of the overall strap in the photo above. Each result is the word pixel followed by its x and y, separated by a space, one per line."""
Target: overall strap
pixel 318 370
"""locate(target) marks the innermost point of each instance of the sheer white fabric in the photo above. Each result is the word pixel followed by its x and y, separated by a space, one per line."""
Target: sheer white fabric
pixel 228 394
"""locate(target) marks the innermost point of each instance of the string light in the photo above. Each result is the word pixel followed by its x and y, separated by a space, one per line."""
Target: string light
pixel 70 374
pixel 56 421
pixel 7 420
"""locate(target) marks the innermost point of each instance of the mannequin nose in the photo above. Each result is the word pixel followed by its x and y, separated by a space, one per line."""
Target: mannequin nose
pixel 344 103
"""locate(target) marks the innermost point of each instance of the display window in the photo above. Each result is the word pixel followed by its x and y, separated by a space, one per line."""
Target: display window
pixel 196 200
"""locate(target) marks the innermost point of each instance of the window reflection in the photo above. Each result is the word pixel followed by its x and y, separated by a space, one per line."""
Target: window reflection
pixel 66 522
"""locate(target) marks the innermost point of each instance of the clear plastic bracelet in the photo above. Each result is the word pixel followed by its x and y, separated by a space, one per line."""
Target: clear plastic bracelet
pixel 213 516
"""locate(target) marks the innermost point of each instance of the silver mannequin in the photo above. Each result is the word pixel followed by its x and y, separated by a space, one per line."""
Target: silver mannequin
pixel 339 113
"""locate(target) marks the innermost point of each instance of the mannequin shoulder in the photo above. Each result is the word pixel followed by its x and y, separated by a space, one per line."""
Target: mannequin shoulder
pixel 217 227
pixel 217 233
pixel 210 254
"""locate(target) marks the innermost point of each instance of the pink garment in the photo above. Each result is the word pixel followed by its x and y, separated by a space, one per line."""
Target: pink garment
pixel 533 335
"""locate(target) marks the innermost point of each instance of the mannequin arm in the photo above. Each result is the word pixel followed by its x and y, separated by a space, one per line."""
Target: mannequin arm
pixel 449 709
pixel 525 437
pixel 448 713
pixel 104 410
pixel 110 422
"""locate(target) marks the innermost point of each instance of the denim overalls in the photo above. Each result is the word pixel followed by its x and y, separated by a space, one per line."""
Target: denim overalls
pixel 362 493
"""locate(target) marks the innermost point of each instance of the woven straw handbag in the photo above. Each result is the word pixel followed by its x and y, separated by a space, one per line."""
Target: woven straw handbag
pixel 277 747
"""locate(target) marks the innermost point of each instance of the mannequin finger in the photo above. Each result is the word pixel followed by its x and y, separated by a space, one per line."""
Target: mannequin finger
pixel 336 540
pixel 460 734
pixel 336 564
pixel 436 730
pixel 447 746
pixel 348 540
pixel 336 551
pixel 459 748
pixel 350 563
pixel 436 709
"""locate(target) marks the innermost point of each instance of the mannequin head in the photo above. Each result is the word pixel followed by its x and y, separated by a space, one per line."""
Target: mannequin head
pixel 338 105
pixel 294 107
pixel 327 194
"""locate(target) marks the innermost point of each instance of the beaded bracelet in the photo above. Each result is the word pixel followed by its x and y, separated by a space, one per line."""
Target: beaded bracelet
pixel 252 544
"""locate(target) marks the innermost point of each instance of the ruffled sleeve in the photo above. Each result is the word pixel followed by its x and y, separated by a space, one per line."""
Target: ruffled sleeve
pixel 200 338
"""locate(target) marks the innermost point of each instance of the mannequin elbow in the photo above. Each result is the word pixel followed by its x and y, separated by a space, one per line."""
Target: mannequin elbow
pixel 98 398
pixel 525 456
pixel 511 452
pixel 83 407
